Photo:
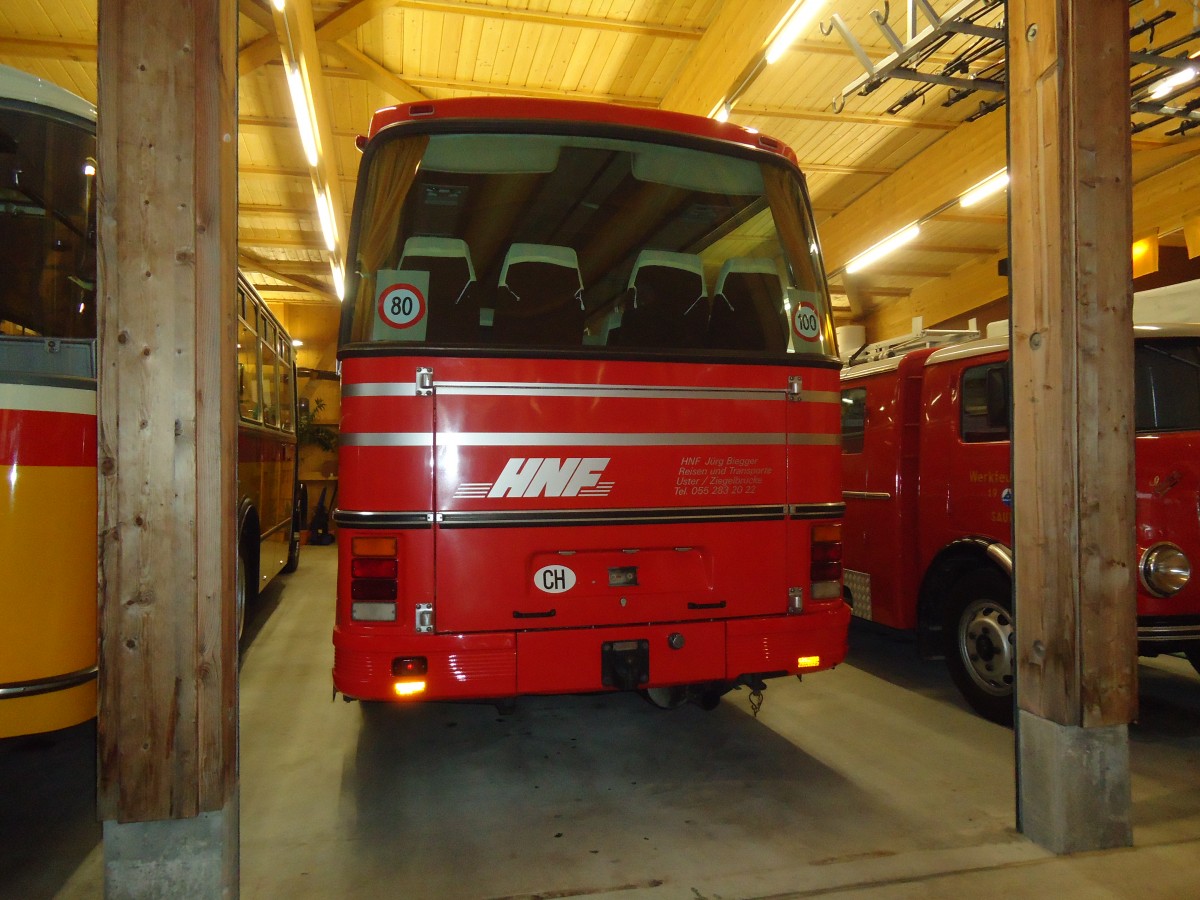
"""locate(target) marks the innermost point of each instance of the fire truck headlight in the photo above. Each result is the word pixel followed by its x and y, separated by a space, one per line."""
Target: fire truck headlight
pixel 1164 570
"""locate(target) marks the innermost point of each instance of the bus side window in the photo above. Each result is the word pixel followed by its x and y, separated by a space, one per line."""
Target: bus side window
pixel 270 375
pixel 854 419
pixel 287 387
pixel 249 391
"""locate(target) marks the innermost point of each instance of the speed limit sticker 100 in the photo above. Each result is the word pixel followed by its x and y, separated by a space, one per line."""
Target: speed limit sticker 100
pixel 401 305
pixel 806 323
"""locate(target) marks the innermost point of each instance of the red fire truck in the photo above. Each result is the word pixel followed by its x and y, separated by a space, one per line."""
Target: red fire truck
pixel 926 478
pixel 590 430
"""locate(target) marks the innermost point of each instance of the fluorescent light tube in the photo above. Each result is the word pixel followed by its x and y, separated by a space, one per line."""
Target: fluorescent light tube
pixel 883 248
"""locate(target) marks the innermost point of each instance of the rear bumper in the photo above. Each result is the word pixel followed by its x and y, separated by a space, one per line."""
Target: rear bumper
pixel 507 664
pixel 1167 634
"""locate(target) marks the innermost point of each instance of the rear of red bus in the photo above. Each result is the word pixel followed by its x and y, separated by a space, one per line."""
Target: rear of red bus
pixel 590 415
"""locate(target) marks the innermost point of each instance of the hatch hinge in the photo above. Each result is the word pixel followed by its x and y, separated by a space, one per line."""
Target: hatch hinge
pixel 424 381
pixel 795 387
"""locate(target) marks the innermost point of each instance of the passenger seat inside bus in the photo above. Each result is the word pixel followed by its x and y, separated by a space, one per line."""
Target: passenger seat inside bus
pixel 453 303
pixel 666 303
pixel 540 297
pixel 747 309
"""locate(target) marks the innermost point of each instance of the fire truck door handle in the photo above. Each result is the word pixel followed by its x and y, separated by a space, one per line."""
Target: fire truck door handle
pixel 720 604
pixel 548 614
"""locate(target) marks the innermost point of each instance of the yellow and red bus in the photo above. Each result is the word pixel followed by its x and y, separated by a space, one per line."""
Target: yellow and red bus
pixel 590 415
pixel 48 512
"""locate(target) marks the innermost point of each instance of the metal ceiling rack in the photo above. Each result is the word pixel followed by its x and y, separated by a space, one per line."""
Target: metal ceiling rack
pixel 979 63
pixel 967 17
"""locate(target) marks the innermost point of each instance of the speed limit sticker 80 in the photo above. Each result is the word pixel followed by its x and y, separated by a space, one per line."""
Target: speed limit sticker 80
pixel 806 323
pixel 402 305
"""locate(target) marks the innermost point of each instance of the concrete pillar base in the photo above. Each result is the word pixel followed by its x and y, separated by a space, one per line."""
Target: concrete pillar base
pixel 195 858
pixel 1073 785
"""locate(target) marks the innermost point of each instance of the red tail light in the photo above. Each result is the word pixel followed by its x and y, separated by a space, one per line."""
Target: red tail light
pixel 374 579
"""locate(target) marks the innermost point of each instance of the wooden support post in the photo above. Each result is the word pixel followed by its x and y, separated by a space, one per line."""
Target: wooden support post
pixel 167 447
pixel 1073 419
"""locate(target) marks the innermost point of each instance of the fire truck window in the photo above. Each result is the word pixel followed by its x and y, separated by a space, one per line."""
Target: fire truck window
pixel 985 403
pixel 854 419
pixel 1167 384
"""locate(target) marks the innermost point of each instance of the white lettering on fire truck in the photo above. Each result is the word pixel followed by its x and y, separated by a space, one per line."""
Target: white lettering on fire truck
pixel 537 476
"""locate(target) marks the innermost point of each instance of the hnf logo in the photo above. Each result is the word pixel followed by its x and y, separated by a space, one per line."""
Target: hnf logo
pixel 537 476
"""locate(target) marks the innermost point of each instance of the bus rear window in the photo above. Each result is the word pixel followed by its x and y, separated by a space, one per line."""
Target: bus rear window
pixel 588 243
pixel 47 227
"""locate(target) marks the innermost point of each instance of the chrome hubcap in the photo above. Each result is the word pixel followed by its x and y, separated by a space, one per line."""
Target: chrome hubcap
pixel 987 642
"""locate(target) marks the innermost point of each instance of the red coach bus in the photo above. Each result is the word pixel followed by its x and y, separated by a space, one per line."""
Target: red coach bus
pixel 590 427
pixel 929 497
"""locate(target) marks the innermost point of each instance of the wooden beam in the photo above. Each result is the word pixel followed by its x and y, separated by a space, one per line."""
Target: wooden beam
pixel 1161 202
pixel 814 115
pixel 308 240
pixel 252 262
pixel 354 15
pixel 1073 459
pixel 729 47
pixel 552 19
pixel 365 67
pixel 47 48
pixel 970 287
pixel 258 13
pixel 424 83
pixel 287 123
pixel 949 167
pixel 167 737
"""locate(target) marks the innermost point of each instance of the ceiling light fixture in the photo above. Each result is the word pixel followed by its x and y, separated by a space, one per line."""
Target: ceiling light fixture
pixel 1168 84
pixel 326 215
pixel 339 278
pixel 993 184
pixel 304 118
pixel 801 16
pixel 883 248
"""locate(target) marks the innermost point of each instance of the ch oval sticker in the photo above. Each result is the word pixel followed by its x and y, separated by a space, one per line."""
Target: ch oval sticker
pixel 554 579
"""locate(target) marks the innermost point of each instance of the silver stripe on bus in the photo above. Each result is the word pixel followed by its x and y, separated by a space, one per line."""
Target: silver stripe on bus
pixel 650 516
pixel 580 439
pixel 380 389
pixel 42 398
pixel 649 392
pixel 47 685
pixel 387 439
pixel 817 510
pixel 820 397
pixel 390 519
pixel 523 389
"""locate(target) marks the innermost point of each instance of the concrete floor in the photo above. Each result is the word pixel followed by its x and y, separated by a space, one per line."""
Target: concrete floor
pixel 870 781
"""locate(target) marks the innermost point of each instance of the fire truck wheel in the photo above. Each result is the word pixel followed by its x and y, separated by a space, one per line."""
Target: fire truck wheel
pixel 666 698
pixel 1193 655
pixel 981 638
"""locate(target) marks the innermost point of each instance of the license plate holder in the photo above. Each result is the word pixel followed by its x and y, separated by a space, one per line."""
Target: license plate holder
pixel 625 665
